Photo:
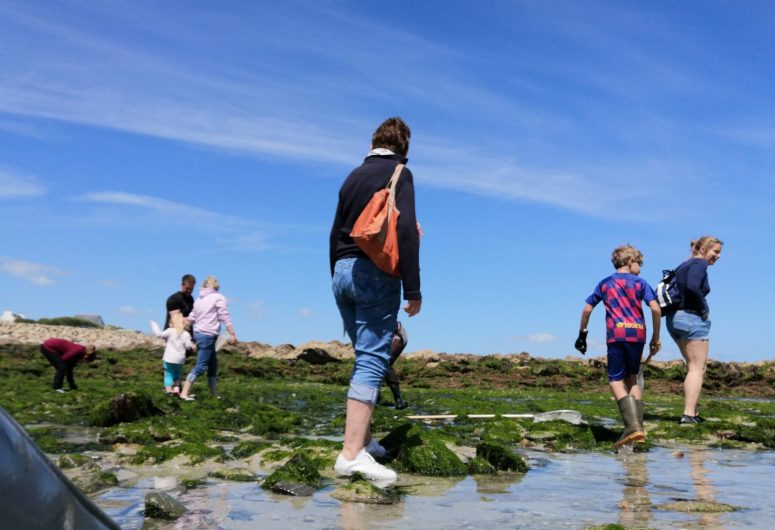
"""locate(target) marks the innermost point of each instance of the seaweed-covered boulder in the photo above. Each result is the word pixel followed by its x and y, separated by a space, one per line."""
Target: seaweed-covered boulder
pixel 249 448
pixel 480 466
pixel 299 469
pixel 90 480
pixel 70 461
pixel 423 452
pixel 690 506
pixel 235 474
pixel 160 505
pixel 295 489
pixel 126 407
pixel 503 431
pixel 501 458
pixel 365 492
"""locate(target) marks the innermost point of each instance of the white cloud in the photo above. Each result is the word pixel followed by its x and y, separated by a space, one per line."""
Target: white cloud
pixel 543 337
pixel 127 310
pixel 108 283
pixel 305 312
pixel 13 185
pixel 256 310
pixel 32 272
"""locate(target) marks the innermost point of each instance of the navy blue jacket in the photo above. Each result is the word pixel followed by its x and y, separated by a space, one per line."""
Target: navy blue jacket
pixel 357 190
pixel 692 279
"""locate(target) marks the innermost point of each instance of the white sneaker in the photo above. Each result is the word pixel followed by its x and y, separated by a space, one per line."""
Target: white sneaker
pixel 374 449
pixel 364 464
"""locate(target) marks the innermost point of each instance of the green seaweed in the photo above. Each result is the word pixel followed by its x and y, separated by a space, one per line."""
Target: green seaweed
pixel 300 468
pixel 421 451
pixel 501 458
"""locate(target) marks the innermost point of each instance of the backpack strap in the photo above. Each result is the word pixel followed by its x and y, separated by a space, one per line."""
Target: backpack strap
pixel 391 187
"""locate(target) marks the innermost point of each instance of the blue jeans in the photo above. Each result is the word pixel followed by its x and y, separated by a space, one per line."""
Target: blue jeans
pixel 172 373
pixel 206 359
pixel 683 325
pixel 368 300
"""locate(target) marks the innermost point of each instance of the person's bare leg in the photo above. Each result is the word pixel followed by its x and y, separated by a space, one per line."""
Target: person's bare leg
pixel 186 389
pixel 618 389
pixel 695 352
pixel 356 427
pixel 631 385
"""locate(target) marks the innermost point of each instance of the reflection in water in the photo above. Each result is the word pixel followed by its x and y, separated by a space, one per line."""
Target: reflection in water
pixel 635 506
pixel 356 516
pixel 704 488
pixel 497 484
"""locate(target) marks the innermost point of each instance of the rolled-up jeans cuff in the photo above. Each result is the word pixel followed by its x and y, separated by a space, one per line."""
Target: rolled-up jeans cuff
pixel 364 394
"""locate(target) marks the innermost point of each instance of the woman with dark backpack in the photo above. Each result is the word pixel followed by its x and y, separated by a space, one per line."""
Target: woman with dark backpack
pixel 689 325
pixel 368 298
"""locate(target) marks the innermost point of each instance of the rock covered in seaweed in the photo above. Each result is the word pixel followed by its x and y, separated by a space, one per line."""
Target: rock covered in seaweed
pixel 160 505
pixel 236 474
pixel 363 491
pixel 299 469
pixel 418 450
pixel 123 408
pixel 500 457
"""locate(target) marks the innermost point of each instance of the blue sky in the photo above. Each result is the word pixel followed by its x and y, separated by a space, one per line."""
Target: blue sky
pixel 143 140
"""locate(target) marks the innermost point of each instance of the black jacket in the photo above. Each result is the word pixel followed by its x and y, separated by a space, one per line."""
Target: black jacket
pixel 182 302
pixel 364 181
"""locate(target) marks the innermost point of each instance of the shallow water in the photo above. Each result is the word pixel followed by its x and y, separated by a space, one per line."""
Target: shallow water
pixel 560 491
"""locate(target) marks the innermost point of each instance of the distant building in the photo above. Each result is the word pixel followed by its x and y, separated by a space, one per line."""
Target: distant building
pixel 94 319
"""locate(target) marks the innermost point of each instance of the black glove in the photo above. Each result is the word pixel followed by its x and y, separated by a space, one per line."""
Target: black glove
pixel 581 342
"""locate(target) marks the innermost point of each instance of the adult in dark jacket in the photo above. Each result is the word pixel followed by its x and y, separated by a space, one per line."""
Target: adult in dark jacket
pixel 368 298
pixel 182 300
pixel 690 324
pixel 63 356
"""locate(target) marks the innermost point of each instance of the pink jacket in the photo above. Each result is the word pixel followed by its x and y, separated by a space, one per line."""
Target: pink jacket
pixel 209 312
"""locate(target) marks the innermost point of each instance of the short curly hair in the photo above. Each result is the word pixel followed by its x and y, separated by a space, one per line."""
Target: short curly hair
pixel 624 255
pixel 392 134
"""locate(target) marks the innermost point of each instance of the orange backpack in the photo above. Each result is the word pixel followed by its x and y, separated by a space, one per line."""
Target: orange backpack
pixel 375 232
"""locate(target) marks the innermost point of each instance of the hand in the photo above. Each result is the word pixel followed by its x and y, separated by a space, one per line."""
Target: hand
pixel 412 307
pixel 654 346
pixel 581 342
pixel 233 338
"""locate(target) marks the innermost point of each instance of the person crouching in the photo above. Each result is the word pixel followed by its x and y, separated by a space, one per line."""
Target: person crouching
pixel 63 356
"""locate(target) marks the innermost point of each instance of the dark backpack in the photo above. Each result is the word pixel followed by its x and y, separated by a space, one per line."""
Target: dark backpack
pixel 668 295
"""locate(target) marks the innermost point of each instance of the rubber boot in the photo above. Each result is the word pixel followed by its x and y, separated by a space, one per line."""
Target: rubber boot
pixel 633 431
pixel 641 412
pixel 400 403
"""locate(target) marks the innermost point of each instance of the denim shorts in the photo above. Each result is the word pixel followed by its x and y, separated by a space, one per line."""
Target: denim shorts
pixel 368 300
pixel 687 326
pixel 623 359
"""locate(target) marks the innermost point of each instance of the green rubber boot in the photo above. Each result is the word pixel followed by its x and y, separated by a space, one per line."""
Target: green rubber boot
pixel 633 429
pixel 641 413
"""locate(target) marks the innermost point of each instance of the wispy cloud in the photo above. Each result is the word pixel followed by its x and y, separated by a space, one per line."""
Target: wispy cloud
pixel 246 92
pixel 112 284
pixel 305 312
pixel 543 338
pixel 15 185
pixel 32 272
pixel 229 232
pixel 128 310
